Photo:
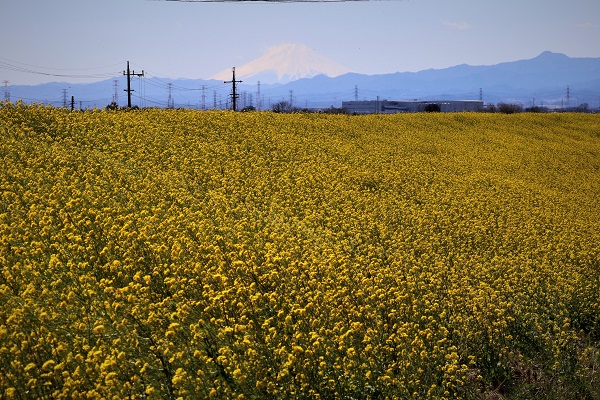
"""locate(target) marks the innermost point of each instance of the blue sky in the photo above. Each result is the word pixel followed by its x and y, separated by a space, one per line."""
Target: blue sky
pixel 90 39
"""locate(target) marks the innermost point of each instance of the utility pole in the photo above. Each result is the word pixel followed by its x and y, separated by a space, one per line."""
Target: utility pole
pixel 234 95
pixel 6 92
pixel 129 74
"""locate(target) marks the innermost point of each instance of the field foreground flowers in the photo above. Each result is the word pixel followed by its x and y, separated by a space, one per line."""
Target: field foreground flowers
pixel 183 254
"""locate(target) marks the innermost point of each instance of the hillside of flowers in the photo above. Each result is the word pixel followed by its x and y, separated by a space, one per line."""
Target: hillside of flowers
pixel 169 254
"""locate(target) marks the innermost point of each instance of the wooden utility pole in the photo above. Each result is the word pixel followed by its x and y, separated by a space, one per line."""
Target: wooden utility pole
pixel 234 95
pixel 129 74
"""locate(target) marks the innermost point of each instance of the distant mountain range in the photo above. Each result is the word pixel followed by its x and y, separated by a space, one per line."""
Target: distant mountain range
pixel 549 79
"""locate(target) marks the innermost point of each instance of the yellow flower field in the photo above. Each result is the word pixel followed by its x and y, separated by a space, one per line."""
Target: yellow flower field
pixel 184 254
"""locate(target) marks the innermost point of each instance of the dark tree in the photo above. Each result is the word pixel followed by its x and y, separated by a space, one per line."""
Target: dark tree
pixel 507 108
pixel 282 106
pixel 432 107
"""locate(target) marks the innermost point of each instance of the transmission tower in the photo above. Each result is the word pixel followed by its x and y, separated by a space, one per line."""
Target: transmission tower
pixel 355 92
pixel 480 94
pixel 204 97
pixel 170 103
pixel 116 93
pixel 129 74
pixel 6 91
pixel 568 97
pixel 258 97
pixel 291 98
pixel 234 95
pixel 142 87
pixel 215 99
pixel 64 97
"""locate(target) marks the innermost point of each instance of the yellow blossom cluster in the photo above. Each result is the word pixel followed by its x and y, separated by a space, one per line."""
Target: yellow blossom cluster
pixel 185 254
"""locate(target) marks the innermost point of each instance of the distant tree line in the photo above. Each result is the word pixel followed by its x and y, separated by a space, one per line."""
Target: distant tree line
pixel 502 108
pixel 512 108
pixel 286 107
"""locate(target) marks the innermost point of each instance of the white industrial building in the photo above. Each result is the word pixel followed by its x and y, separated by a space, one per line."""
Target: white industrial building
pixel 395 106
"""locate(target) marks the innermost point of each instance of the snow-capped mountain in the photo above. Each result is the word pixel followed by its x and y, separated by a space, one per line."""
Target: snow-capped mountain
pixel 285 63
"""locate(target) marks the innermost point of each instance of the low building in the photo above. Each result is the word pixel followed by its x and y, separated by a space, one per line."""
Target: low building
pixel 395 106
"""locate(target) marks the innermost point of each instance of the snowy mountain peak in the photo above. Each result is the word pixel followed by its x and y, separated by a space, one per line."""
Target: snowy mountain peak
pixel 285 63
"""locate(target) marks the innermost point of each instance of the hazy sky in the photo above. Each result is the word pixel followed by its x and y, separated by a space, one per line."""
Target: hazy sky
pixel 196 40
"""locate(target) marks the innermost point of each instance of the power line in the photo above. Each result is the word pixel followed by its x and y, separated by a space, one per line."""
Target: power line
pixel 159 83
pixel 32 69
pixel 269 1
pixel 58 69
pixel 151 100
